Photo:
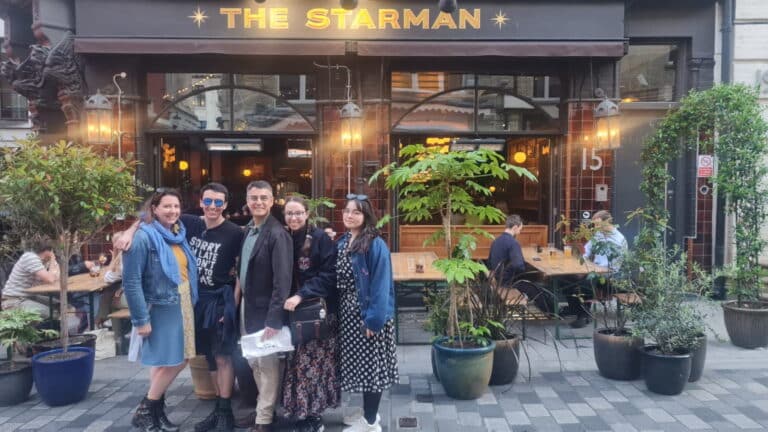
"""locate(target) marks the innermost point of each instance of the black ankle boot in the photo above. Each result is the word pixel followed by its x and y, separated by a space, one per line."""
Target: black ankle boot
pixel 144 418
pixel 163 423
pixel 225 419
pixel 209 422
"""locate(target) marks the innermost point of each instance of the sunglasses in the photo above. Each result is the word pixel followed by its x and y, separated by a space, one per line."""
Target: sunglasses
pixel 218 203
pixel 357 197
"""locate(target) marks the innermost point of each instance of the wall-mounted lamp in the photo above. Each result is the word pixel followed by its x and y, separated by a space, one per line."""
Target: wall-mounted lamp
pixel 247 172
pixel 607 123
pixel 448 6
pixel 120 75
pixel 519 157
pixel 183 165
pixel 98 116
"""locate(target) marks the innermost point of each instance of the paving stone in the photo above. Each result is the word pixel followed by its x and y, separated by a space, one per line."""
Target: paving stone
pixel 623 427
pixel 546 424
pixel 613 396
pixel 594 423
pixel 612 417
pixel 9 427
pixel 419 407
pixel 706 414
pixel 752 412
pixel 626 408
pixel 742 421
pixel 659 415
pixel 491 411
pixel 570 397
pixel 581 409
pixel 564 416
pixel 487 398
pixel 545 392
pixel 446 412
pixel 535 410
pixel 692 422
pixel 470 419
pixel 38 422
pixel 577 381
pixel 598 403
pixel 466 406
pixel 553 403
pixel 517 418
pixel 641 421
pixel 496 424
pixel 714 388
pixel 756 388
pixel 702 395
pixel 529 398
pixel 98 426
pixel 71 414
pixel 673 407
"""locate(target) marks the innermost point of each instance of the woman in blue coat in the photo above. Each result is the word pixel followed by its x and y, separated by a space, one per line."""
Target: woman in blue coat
pixel 366 309
pixel 160 283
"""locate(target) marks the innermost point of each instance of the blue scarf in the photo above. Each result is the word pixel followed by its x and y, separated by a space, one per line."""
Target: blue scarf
pixel 161 238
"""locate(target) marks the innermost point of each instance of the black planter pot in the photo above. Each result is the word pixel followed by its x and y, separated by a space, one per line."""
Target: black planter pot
pixel 82 340
pixel 665 374
pixel 16 382
pixel 747 327
pixel 698 357
pixel 617 356
pixel 506 360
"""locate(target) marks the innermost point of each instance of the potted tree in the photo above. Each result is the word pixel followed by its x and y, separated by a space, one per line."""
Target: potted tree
pixel 67 193
pixel 726 120
pixel 17 330
pixel 668 319
pixel 433 181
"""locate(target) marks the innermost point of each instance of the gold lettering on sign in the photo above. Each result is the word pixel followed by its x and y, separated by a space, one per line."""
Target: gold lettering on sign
pixel 259 17
pixel 341 14
pixel 278 18
pixel 317 19
pixel 444 19
pixel 465 18
pixel 363 19
pixel 230 13
pixel 389 16
pixel 410 19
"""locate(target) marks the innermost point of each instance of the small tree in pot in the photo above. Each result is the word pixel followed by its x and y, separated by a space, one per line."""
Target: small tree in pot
pixel 434 181
pixel 67 193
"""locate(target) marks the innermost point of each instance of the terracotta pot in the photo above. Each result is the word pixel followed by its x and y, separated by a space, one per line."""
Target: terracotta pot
pixel 201 378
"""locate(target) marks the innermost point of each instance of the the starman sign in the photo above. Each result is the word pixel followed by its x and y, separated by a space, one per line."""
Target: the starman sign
pixel 372 20
pixel 277 18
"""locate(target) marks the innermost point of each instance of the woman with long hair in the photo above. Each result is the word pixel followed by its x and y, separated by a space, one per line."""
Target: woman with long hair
pixel 311 384
pixel 160 283
pixel 366 310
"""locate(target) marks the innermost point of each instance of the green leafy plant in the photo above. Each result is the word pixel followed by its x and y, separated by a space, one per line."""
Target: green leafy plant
pixel 67 193
pixel 17 329
pixel 432 183
pixel 726 120
pixel 666 315
pixel 316 207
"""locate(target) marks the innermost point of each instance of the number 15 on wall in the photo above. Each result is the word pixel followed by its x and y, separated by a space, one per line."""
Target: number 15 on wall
pixel 596 161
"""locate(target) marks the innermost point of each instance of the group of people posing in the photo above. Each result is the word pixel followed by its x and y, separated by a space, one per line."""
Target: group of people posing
pixel 195 284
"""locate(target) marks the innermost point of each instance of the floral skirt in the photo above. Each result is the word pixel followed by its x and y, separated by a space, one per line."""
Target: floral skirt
pixel 310 383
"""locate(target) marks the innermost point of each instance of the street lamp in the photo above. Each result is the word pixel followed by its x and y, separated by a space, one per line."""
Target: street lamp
pixel 607 123
pixel 98 115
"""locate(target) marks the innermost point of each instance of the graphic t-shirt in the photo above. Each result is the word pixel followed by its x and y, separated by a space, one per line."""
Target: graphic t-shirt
pixel 216 250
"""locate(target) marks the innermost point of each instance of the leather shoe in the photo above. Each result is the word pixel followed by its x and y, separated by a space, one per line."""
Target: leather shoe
pixel 261 428
pixel 246 421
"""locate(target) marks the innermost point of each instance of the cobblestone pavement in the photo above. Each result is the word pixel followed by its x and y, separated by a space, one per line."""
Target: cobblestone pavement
pixel 561 395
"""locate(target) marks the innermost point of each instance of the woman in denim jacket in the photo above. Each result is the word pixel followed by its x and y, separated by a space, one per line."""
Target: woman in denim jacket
pixel 367 305
pixel 160 283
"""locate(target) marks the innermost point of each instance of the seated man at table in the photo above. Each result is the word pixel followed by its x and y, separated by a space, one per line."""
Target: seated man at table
pixel 36 266
pixel 605 249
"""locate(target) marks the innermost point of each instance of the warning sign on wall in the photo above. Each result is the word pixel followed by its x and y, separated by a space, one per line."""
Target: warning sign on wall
pixel 706 166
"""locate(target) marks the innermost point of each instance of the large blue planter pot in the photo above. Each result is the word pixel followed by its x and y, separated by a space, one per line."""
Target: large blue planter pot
pixel 63 382
pixel 464 372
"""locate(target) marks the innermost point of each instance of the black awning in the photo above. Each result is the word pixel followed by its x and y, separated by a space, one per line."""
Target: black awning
pixel 491 48
pixel 209 46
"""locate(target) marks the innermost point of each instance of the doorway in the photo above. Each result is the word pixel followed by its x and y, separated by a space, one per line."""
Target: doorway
pixel 189 161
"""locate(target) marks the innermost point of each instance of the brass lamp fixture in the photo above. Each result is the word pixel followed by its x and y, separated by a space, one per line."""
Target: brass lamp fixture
pixel 98 116
pixel 607 123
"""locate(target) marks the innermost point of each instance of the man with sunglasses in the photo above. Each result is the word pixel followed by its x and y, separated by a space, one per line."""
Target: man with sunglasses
pixel 215 241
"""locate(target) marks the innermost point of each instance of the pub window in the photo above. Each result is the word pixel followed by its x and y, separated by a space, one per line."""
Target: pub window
pixel 648 73
pixel 13 106
pixel 200 98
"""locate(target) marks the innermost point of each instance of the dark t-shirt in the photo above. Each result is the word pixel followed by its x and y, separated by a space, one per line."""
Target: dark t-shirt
pixel 216 250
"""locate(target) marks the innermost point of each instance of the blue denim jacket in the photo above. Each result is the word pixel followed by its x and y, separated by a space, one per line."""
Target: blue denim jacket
pixel 374 283
pixel 144 281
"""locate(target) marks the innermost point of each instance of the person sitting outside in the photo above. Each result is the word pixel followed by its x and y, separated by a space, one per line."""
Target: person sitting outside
pixel 605 249
pixel 113 297
pixel 35 267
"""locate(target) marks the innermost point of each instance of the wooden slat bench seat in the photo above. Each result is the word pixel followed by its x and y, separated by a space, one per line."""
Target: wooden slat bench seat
pixel 121 326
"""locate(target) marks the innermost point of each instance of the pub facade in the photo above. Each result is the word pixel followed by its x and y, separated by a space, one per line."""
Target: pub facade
pixel 238 90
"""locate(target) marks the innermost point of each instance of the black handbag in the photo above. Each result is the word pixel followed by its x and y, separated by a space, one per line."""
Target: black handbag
pixel 309 321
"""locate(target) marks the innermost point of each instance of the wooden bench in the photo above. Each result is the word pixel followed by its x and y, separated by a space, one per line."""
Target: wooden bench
pixel 412 238
pixel 121 326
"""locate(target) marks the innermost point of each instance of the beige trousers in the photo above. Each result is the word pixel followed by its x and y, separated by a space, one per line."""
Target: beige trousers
pixel 268 374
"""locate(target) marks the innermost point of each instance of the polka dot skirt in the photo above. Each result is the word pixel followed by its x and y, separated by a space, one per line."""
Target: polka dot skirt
pixel 367 364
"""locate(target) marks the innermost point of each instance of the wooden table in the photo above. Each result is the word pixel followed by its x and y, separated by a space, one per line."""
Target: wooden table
pixel 408 281
pixel 555 268
pixel 78 284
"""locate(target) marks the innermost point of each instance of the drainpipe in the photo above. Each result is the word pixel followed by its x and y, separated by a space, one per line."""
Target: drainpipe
pixel 719 220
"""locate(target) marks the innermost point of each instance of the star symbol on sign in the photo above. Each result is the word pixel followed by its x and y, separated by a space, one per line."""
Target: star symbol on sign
pixel 500 19
pixel 198 17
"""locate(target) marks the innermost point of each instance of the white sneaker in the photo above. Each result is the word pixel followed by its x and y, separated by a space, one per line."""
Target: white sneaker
pixel 355 416
pixel 361 425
